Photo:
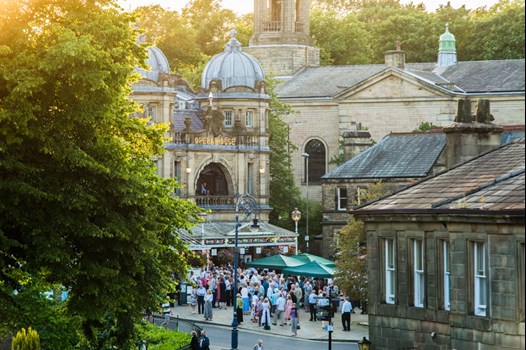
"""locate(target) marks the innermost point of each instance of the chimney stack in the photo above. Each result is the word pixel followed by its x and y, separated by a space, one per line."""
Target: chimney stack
pixel 395 58
pixel 355 141
pixel 468 137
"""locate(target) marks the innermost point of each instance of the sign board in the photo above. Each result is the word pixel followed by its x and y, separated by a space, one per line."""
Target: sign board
pixel 329 328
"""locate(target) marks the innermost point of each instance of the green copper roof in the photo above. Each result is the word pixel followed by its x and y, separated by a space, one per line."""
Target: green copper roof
pixel 447 41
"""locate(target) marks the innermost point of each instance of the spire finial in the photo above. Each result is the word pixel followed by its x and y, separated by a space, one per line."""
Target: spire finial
pixel 233 33
pixel 447 27
pixel 398 45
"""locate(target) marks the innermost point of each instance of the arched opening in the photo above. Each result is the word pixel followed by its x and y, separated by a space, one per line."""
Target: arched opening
pixel 316 160
pixel 212 181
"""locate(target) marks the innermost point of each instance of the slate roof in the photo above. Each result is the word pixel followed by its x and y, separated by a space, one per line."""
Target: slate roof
pixel 196 117
pixel 490 182
pixel 395 156
pixel 468 77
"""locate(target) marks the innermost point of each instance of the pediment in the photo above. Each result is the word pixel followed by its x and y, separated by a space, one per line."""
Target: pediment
pixel 393 84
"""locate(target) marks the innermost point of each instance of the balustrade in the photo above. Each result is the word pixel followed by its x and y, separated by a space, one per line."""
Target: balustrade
pixel 272 26
pixel 214 201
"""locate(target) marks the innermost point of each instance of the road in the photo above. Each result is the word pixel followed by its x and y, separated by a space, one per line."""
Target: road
pixel 220 338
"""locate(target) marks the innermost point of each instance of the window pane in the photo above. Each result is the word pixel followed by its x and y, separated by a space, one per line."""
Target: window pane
pixel 228 119
pixel 316 160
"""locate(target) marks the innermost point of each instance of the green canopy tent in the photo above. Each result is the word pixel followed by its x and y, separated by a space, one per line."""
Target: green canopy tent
pixel 306 257
pixel 311 269
pixel 276 262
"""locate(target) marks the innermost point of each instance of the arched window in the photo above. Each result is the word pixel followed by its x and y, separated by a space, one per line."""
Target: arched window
pixel 316 160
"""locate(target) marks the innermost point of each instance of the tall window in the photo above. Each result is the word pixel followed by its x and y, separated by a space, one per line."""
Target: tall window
pixel 228 119
pixel 316 160
pixel 152 113
pixel 480 282
pixel 390 271
pixel 249 119
pixel 250 176
pixel 341 198
pixel 445 276
pixel 177 176
pixel 418 273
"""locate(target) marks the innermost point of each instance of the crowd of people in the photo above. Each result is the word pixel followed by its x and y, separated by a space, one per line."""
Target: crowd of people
pixel 264 297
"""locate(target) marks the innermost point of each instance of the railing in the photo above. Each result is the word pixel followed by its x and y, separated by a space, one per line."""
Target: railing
pixel 272 26
pixel 210 201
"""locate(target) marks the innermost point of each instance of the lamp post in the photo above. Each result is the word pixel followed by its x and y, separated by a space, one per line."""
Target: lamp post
pixel 364 344
pixel 306 156
pixel 246 204
pixel 296 216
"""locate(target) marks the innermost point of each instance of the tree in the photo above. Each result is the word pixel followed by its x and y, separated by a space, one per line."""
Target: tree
pixel 344 39
pixel 351 261
pixel 81 204
pixel 284 194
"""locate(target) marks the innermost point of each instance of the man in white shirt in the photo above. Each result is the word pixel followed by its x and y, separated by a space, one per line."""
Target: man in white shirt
pixel 346 314
pixel 259 345
pixel 280 309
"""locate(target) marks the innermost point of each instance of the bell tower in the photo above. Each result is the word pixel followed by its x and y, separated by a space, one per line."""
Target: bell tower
pixel 281 40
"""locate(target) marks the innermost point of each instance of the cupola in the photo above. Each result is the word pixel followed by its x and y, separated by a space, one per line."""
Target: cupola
pixel 232 68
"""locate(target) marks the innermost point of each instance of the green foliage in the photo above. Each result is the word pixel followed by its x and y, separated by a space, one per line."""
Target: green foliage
pixel 26 340
pixel 343 40
pixel 159 338
pixel 82 206
pixel 351 261
pixel 284 194
pixel 424 127
pixel 338 159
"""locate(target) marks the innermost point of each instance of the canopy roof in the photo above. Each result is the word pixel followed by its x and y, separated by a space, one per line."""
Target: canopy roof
pixel 312 269
pixel 306 257
pixel 278 262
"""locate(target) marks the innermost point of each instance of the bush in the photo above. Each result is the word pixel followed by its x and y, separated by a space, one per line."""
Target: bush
pixel 26 340
pixel 159 338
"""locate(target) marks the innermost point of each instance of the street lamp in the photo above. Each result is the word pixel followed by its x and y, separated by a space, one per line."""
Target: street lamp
pixel 306 156
pixel 296 216
pixel 364 344
pixel 247 204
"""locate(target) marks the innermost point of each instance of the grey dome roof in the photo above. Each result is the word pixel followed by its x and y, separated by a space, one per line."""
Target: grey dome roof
pixel 233 67
pixel 158 63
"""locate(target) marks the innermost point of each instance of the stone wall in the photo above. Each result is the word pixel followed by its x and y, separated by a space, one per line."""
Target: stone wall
pixel 285 60
pixel 402 326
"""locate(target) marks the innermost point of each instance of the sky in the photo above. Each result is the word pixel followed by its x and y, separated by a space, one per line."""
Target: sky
pixel 245 6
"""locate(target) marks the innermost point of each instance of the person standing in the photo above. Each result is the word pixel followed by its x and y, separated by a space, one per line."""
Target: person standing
pixel 201 291
pixel 294 320
pixel 259 345
pixel 280 309
pixel 193 300
pixel 208 304
pixel 239 308
pixel 265 314
pixel 194 343
pixel 346 314
pixel 167 311
pixel 204 342
pixel 288 308
pixel 312 305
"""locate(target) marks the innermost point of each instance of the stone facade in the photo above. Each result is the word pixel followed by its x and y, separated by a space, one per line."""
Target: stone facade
pixel 404 326
pixel 281 40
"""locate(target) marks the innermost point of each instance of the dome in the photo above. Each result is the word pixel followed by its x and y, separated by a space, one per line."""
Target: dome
pixel 447 40
pixel 158 63
pixel 233 67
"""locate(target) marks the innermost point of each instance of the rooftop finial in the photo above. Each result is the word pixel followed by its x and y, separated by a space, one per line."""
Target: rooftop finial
pixel 398 45
pixel 447 27
pixel 233 44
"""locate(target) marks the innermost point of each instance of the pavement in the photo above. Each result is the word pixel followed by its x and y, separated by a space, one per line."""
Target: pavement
pixel 308 330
